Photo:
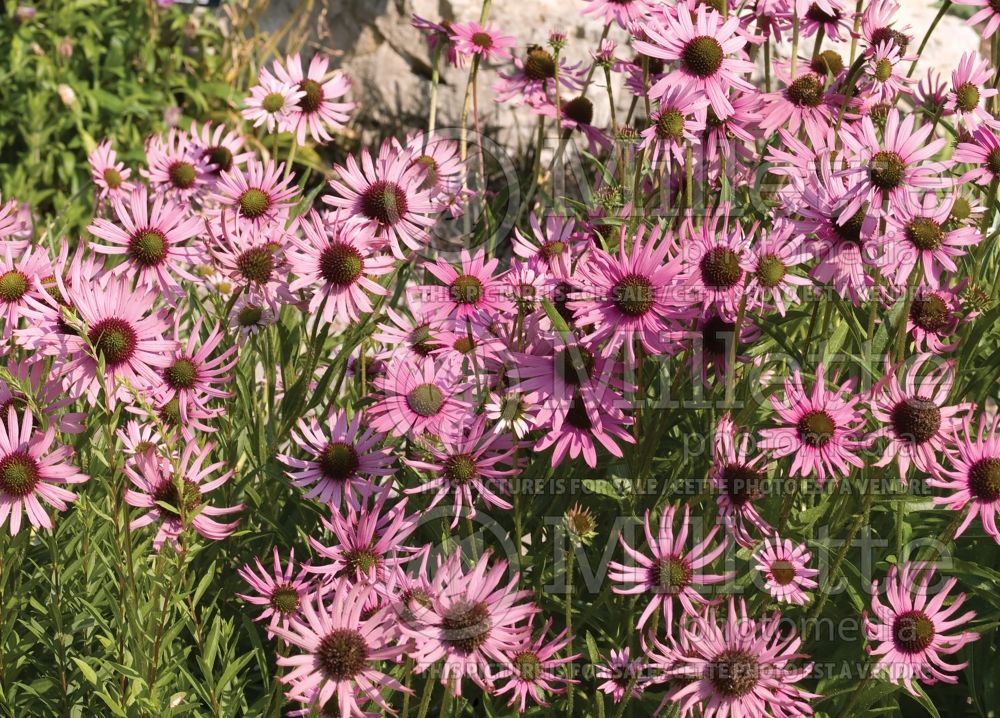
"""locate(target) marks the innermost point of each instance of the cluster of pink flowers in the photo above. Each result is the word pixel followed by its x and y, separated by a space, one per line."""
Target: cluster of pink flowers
pixel 536 344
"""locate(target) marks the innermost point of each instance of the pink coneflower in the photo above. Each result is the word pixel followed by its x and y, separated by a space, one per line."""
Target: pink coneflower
pixel 10 225
pixel 910 632
pixel 618 673
pixel 974 476
pixel 932 92
pixel 742 668
pixel 341 647
pixel 124 330
pixel 438 35
pixel 988 12
pixel 551 248
pixel 281 592
pixel 440 161
pixel 185 494
pixel 534 76
pixel 803 103
pixel 984 151
pixel 628 296
pixel 623 12
pixel 641 73
pixel 31 469
pixel 970 85
pixel 510 412
pixel 534 670
pixel 222 148
pixel 316 110
pixel 884 77
pixel 676 123
pixel 473 40
pixel 258 196
pixel 407 339
pixel 577 113
pixel 878 26
pixel 786 573
pixel 710 262
pixel 139 438
pixel 472 620
pixel 152 240
pixel 827 15
pixel 580 431
pixel 472 291
pixel 934 319
pixel 386 196
pixel 889 169
pixel 740 481
pixel 420 398
pixel 468 467
pixel 338 261
pixel 345 458
pixel 768 267
pixel 844 246
pixel 271 102
pixel 709 50
pixel 176 168
pixel 673 572
pixel 21 275
pixel 368 544
pixel 731 135
pixel 914 415
pixel 110 175
pixel 193 375
pixel 252 258
pixel 712 337
pixel 918 239
pixel 821 428
pixel 251 313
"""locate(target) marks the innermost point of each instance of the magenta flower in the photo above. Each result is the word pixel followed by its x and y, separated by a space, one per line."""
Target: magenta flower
pixel 742 668
pixel 623 12
pixel 582 429
pixel 934 319
pixel 771 283
pixel 272 102
pixel 970 85
pixel 281 592
pixel 222 148
pixel 919 238
pixel 369 544
pixel 339 262
pixel 709 50
pixel 910 636
pixel 444 172
pixel 472 620
pixel 786 572
pixel 178 501
pixel 176 168
pixel 31 470
pixel 252 258
pixel 677 122
pixel 473 40
pixel 629 296
pixel 533 79
pixel 194 376
pixel 387 196
pixel 122 328
pixel 407 339
pixel 342 646
pixel 33 385
pixel 534 670
pixel 110 175
pixel 473 290
pixel 803 103
pixel 884 75
pixel 674 571
pixel 709 263
pixel 739 481
pixel 344 459
pixel 21 290
pixel 973 478
pixel 468 467
pixel 618 673
pixel 889 169
pixel 984 151
pixel 419 398
pixel 153 240
pixel 316 110
pixel 988 13
pixel 552 248
pixel 915 416
pixel 258 196
pixel 822 428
